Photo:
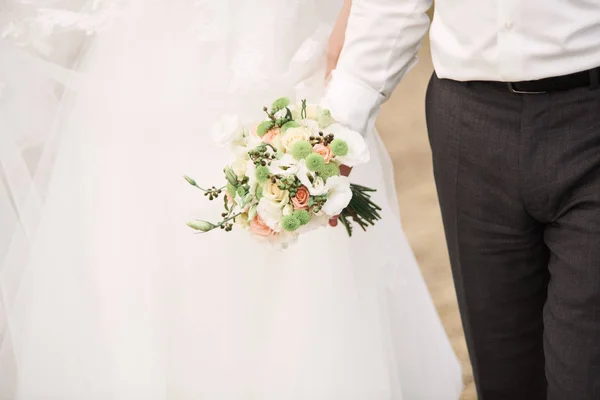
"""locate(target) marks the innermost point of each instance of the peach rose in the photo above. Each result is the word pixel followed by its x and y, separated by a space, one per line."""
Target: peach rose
pixel 300 201
pixel 270 135
pixel 259 228
pixel 325 151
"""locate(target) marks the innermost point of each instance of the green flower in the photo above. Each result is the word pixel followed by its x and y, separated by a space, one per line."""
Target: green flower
pixel 324 118
pixel 281 122
pixel 301 149
pixel 339 147
pixel 279 104
pixel 290 223
pixel 329 170
pixel 264 127
pixel 288 125
pixel 302 216
pixel 314 162
pixel 262 173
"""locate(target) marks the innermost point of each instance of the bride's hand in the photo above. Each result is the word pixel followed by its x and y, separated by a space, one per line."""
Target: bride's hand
pixel 344 171
pixel 336 40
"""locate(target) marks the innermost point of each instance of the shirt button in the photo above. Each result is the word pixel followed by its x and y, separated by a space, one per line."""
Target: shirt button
pixel 508 25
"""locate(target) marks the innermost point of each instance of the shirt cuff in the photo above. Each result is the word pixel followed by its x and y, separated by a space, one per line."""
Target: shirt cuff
pixel 352 102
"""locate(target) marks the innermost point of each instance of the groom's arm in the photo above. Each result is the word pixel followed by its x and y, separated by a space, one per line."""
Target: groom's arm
pixel 382 39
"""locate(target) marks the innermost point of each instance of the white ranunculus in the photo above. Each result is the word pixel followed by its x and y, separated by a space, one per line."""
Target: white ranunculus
pixel 227 130
pixel 293 135
pixel 314 184
pixel 286 165
pixel 339 195
pixel 270 213
pixel 358 151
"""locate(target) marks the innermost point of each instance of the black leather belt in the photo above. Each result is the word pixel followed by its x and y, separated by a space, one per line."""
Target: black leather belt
pixel 589 78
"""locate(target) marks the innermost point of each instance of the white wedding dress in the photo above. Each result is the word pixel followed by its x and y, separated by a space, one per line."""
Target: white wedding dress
pixel 105 294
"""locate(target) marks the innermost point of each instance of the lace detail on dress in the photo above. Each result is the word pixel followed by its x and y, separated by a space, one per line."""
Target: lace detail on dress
pixel 32 23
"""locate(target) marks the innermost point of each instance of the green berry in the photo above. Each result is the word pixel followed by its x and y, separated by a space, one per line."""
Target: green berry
pixel 329 170
pixel 303 216
pixel 314 162
pixel 262 173
pixel 264 127
pixel 279 104
pixel 290 223
pixel 301 149
pixel 339 147
pixel 288 125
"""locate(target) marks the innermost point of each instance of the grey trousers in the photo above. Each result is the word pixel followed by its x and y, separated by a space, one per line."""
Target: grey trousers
pixel 518 178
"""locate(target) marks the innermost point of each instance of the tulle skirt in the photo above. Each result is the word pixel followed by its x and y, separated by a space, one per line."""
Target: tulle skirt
pixel 114 298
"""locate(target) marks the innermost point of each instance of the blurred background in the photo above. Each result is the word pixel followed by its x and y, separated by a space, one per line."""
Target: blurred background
pixel 403 129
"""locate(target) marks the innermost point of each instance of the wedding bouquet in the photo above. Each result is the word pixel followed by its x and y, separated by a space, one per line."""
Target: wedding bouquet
pixel 286 178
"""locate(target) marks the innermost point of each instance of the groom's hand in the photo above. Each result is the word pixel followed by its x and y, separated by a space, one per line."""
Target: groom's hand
pixel 344 171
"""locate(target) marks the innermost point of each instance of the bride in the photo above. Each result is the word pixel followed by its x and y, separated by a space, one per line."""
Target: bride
pixel 105 294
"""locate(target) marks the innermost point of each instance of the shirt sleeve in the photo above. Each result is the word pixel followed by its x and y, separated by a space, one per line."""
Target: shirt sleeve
pixel 382 40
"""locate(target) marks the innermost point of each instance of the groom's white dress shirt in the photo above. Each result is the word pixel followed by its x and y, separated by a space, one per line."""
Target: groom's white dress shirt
pixel 494 40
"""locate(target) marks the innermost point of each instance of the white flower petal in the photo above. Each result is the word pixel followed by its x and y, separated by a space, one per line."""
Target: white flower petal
pixel 314 184
pixel 285 166
pixel 358 151
pixel 338 196
pixel 227 130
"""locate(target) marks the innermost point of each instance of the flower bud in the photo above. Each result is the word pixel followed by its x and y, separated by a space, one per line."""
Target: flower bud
pixel 202 226
pixel 231 176
pixel 190 180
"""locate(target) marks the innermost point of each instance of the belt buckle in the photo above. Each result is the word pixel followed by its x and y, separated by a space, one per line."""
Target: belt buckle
pixel 511 88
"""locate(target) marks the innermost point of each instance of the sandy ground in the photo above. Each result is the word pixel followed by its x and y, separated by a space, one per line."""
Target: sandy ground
pixel 402 126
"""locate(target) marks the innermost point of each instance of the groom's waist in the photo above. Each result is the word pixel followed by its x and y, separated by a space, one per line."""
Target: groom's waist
pixel 586 78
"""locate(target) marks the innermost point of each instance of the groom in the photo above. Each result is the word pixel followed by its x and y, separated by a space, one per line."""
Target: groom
pixel 513 113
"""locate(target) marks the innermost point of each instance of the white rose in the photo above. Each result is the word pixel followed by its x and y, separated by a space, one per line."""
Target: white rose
pixel 292 135
pixel 227 130
pixel 358 151
pixel 270 213
pixel 312 111
pixel 288 209
pixel 276 142
pixel 285 166
pixel 339 195
pixel 272 192
pixel 239 167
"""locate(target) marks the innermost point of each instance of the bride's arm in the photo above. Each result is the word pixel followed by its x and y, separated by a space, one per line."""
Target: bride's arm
pixel 336 40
